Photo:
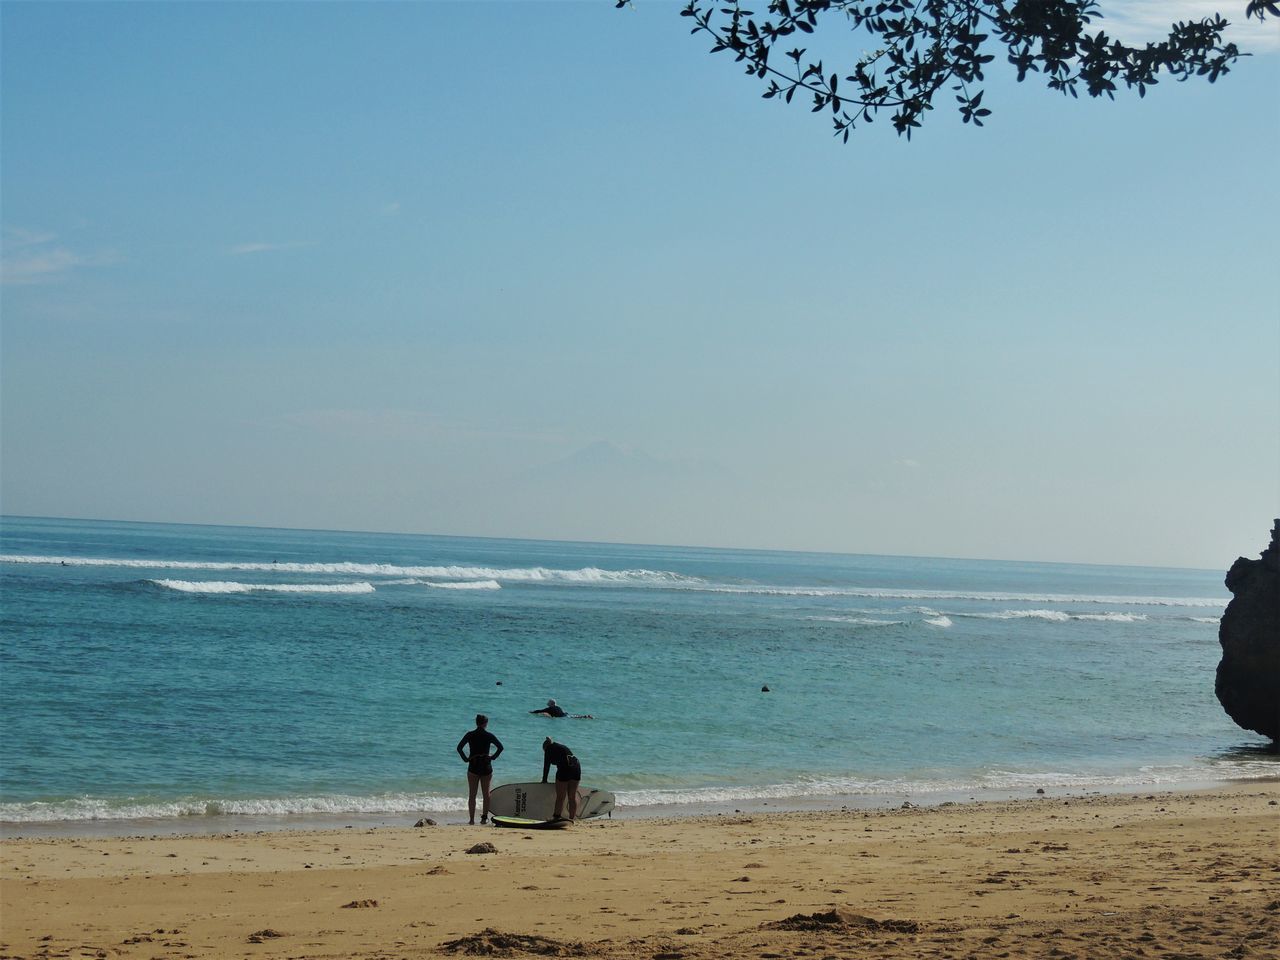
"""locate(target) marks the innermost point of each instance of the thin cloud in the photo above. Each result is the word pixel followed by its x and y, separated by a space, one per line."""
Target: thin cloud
pixel 32 257
pixel 1143 21
pixel 241 249
pixel 16 238
pixel 401 423
pixel 605 458
pixel 391 209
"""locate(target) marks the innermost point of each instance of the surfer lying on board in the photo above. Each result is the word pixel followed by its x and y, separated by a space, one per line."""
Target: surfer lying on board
pixel 553 709
pixel 479 764
pixel 568 776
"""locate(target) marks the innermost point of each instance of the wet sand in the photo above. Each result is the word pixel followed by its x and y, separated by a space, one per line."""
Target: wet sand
pixel 1185 874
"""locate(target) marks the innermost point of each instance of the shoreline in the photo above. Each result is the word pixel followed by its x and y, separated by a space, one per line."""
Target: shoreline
pixel 232 824
pixel 1114 875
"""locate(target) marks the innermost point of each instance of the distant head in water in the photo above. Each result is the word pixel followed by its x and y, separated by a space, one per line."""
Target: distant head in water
pixel 551 703
pixel 481 720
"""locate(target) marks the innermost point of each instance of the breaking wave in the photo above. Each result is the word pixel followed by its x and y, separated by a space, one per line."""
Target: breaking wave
pixel 861 621
pixel 436 575
pixel 230 586
pixel 134 808
pixel 1056 616
pixel 633 793
pixel 934 618
pixel 466 585
pixel 1002 781
pixel 587 575
pixel 896 594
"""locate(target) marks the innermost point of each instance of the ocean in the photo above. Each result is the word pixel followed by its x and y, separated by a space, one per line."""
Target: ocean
pixel 161 676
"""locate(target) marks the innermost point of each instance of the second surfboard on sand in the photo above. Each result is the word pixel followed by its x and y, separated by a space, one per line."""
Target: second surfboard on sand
pixel 526 824
pixel 537 801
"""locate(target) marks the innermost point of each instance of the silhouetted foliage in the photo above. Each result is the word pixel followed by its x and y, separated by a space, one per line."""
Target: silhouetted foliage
pixel 924 46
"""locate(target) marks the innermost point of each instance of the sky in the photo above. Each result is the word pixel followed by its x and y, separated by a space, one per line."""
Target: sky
pixel 552 270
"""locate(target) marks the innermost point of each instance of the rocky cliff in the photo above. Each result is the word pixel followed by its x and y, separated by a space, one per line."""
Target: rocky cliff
pixel 1248 682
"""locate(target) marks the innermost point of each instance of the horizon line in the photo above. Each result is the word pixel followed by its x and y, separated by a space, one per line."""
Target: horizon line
pixel 614 543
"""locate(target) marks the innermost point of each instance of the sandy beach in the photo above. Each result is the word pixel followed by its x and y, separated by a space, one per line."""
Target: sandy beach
pixel 1184 874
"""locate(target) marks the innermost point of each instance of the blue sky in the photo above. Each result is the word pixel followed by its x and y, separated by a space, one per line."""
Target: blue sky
pixel 551 270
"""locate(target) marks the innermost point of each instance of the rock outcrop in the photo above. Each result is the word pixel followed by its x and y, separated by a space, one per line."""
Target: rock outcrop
pixel 1248 681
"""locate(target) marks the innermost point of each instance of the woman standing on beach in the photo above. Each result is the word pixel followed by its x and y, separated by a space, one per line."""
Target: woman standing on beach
pixel 568 776
pixel 479 764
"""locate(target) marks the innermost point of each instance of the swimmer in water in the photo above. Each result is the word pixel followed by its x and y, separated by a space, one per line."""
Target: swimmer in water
pixel 552 709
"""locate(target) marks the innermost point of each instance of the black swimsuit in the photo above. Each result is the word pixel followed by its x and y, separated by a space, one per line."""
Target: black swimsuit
pixel 479 742
pixel 568 770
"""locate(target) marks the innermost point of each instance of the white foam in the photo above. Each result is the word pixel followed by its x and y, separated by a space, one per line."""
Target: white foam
pixel 937 619
pixel 992 780
pixel 1056 616
pixel 229 586
pixel 860 621
pixel 1205 619
pixel 91 808
pixel 466 585
pixel 585 575
pixel 596 575
pixel 897 594
pixel 141 808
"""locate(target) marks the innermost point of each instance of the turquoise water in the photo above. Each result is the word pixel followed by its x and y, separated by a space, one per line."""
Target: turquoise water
pixel 165 671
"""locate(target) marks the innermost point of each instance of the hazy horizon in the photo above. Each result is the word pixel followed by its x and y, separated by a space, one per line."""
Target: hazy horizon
pixel 739 548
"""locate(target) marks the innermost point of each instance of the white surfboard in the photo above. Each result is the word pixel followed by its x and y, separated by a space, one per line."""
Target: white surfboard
pixel 537 801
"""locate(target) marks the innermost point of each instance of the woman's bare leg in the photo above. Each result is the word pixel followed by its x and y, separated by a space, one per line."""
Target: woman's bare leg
pixel 572 791
pixel 473 781
pixel 562 791
pixel 484 787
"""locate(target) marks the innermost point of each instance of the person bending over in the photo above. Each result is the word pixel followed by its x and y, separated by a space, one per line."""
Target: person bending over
pixel 568 776
pixel 479 764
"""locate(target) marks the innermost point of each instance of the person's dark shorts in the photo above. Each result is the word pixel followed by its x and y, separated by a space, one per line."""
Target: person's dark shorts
pixel 569 772
pixel 481 767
